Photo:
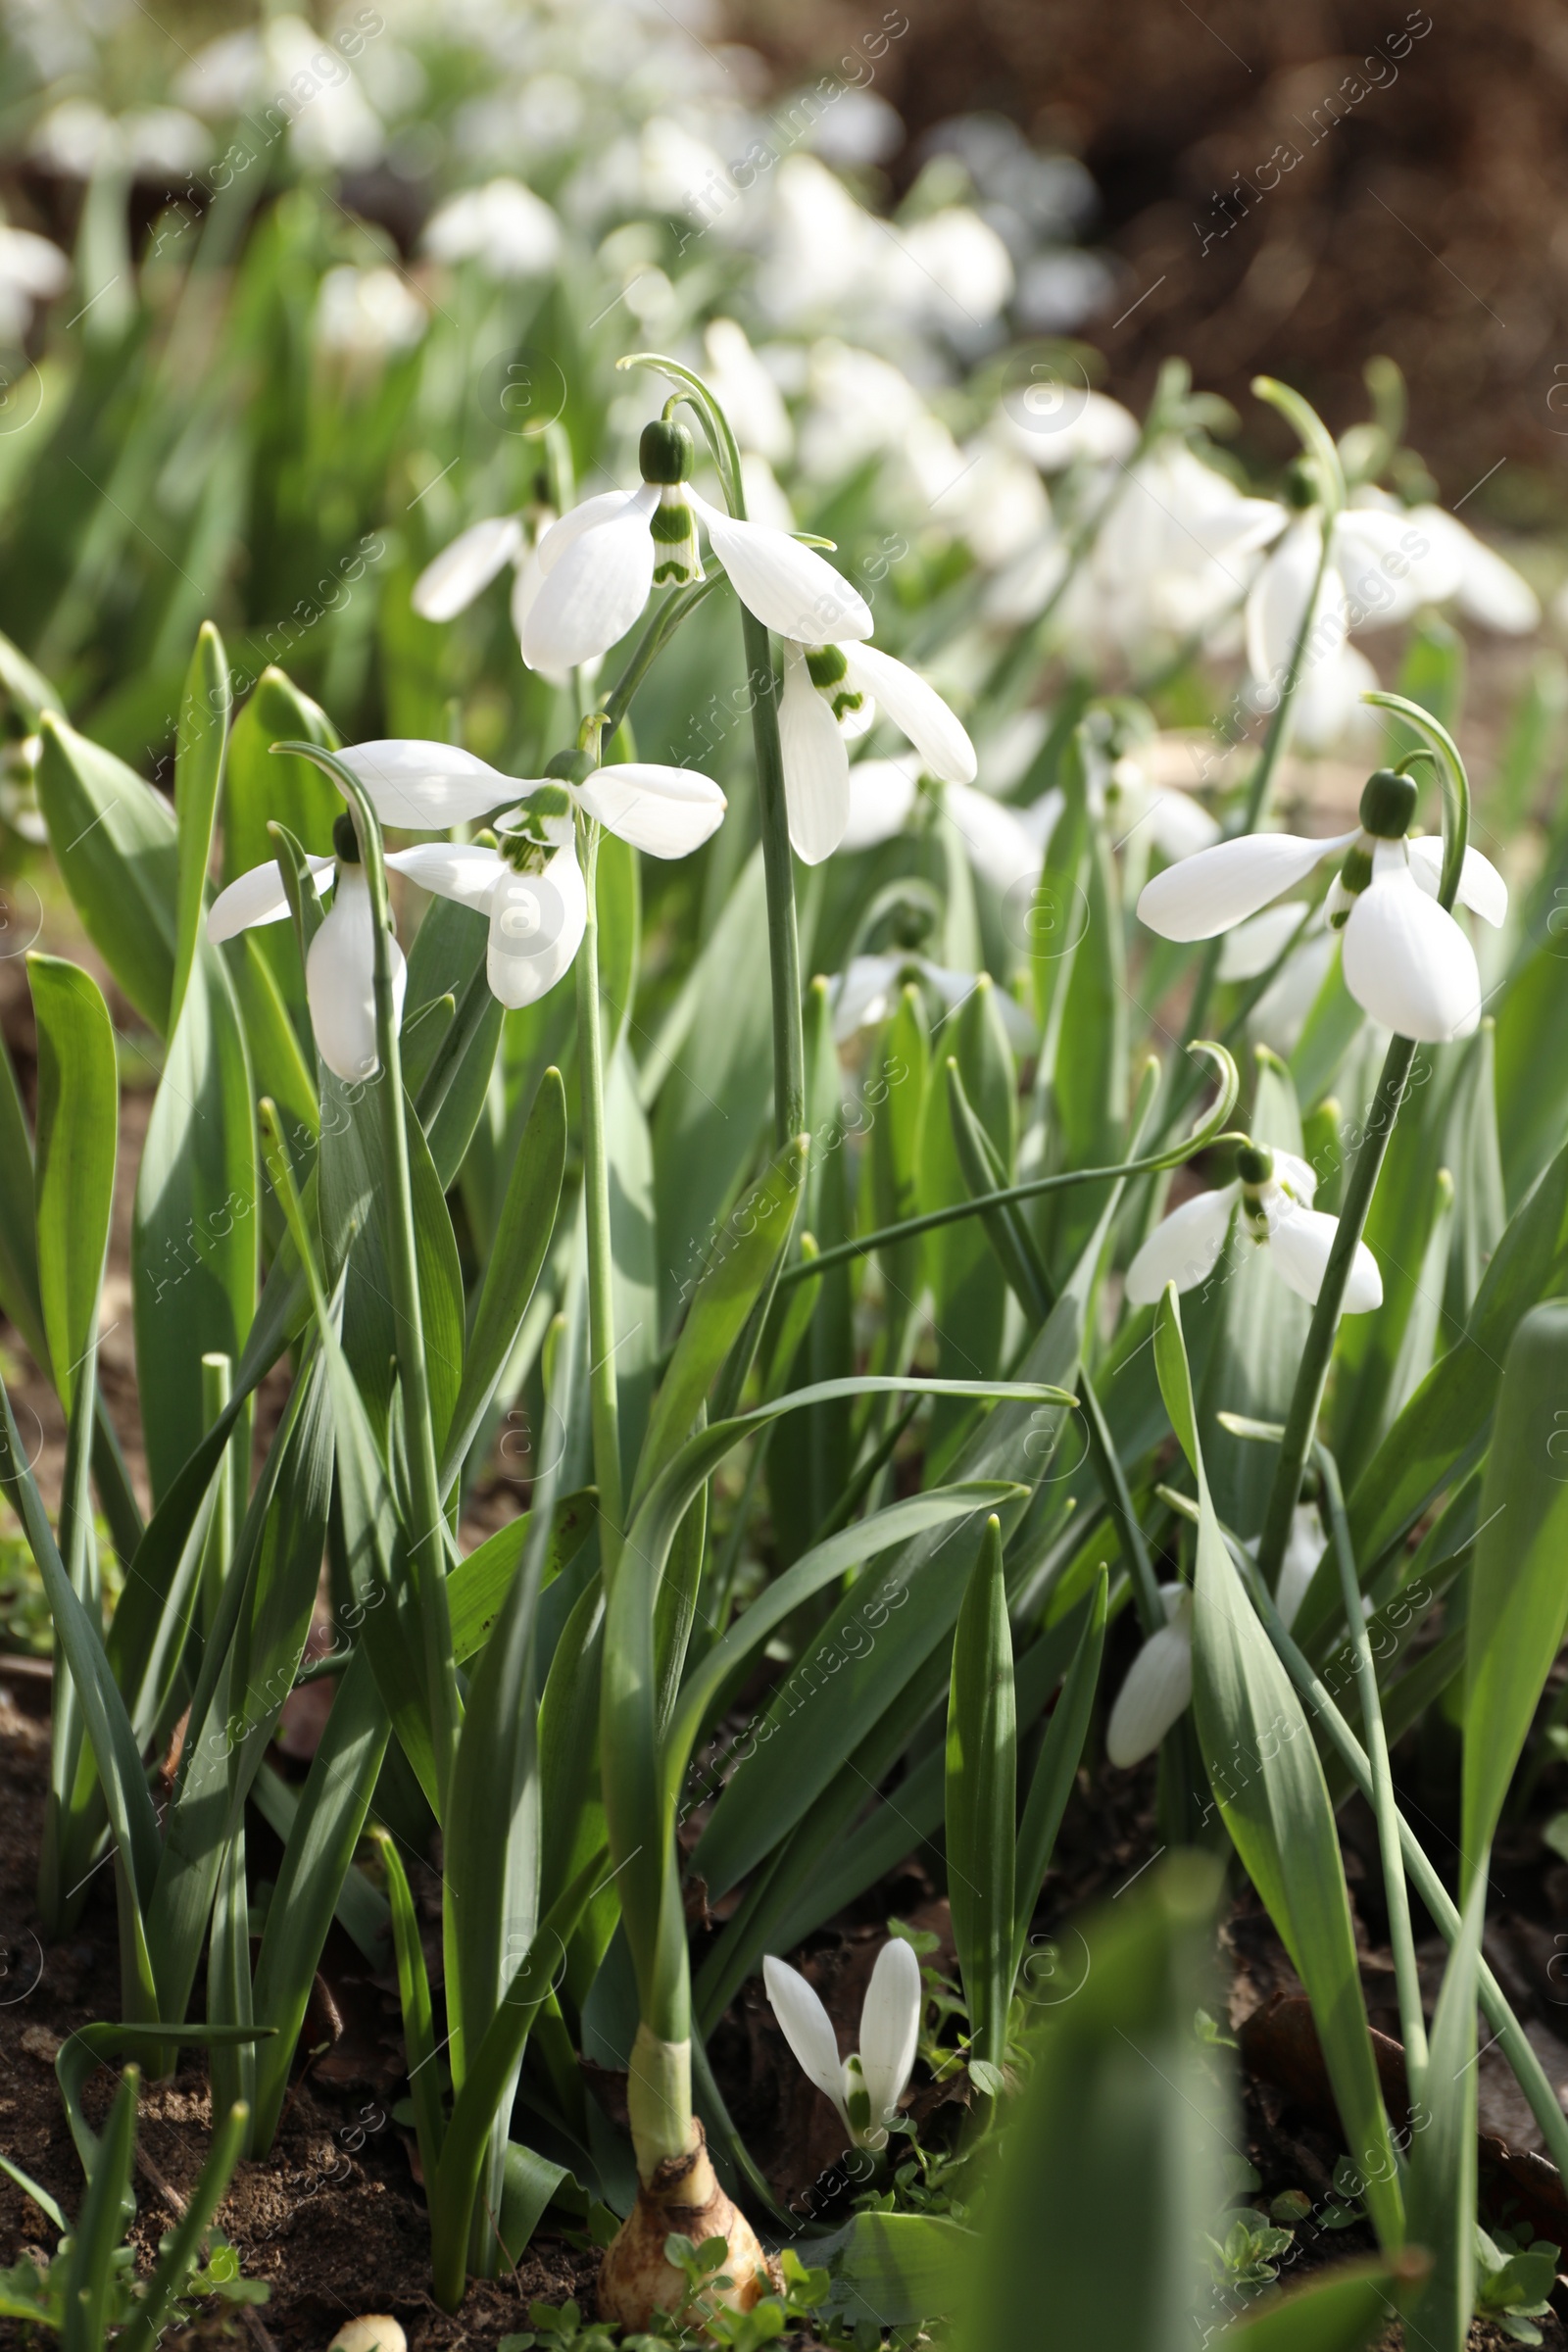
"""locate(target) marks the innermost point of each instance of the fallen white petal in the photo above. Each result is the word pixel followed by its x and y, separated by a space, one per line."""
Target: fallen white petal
pixel 1221 886
pixel 806 2027
pixel 890 2027
pixel 817 765
pixel 916 710
pixel 593 589
pixel 882 794
pixel 1405 962
pixel 789 587
pixel 1481 887
pixel 1157 1690
pixel 1184 1247
pixel 668 812
pixel 340 980
pixel 426 787
pixel 537 927
pixel 462 572
pixel 255 898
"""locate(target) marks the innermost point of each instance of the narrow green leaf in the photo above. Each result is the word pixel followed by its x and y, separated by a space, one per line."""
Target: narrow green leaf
pixel 1443 2155
pixel 89 2269
pixel 185 2240
pixel 1518 1594
pixel 413 1995
pixel 982 1779
pixel 79 1112
pixel 1057 1767
pixel 200 744
pixel 1345 2309
pixel 19 1298
pixel 114 841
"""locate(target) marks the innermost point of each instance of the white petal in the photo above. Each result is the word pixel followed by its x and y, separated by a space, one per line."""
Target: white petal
pixel 1298 1174
pixel 257 898
pixel 1184 1247
pixel 1180 826
pixel 1157 1690
pixel 1488 590
pixel 817 765
pixel 457 870
pixel 1381 582
pixel 916 710
pixel 537 927
pixel 890 2027
pixel 1277 602
pixel 1299 1243
pixel 668 812
pixel 593 589
pixel 1481 887
pixel 882 794
pixel 1218 888
pixel 426 787
pixel 586 517
pixel 340 980
pixel 1405 962
pixel 806 2027
pixel 1253 945
pixel 1000 848
pixel 789 587
pixel 461 572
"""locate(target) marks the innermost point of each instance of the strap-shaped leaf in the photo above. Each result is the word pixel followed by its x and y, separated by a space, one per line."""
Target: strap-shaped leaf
pixel 1057 1766
pixel 982 1784
pixel 1262 1764
pixel 114 841
pixel 78 1111
pixel 200 743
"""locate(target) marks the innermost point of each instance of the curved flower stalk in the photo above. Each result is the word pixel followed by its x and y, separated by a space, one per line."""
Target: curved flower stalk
pixel 867 2086
pixel 1406 961
pixel 1158 1689
pixel 599 563
pixel 530 887
pixel 1274 1191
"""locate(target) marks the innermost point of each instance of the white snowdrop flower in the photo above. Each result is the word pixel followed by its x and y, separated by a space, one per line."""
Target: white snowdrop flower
pixel 599 563
pixel 747 393
pixel 863 995
pixel 1447 563
pixel 332 124
pixel 867 2086
pixel 1406 961
pixel 832 691
pixel 1054 426
pixel 340 966
pixel 366 314
pixel 957 272
pixel 1174 822
pixel 224 75
pixel 1158 1687
pixel 823 248
pixel 424 787
pixel 1304 1549
pixel 859 406
pixel 31 272
pixel 1003 845
pixel 1329 711
pixel 508 230
pixel 1175 554
pixel 1274 1191
pixel 537 909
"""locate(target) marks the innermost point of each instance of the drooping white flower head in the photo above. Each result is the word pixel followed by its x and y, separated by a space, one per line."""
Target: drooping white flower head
pixel 833 693
pixel 1406 962
pixel 867 2086
pixel 1158 1687
pixel 531 889
pixel 508 230
pixel 1274 1191
pixel 599 563
pixel 340 965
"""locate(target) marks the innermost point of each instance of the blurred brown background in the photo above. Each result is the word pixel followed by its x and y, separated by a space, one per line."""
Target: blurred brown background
pixel 1424 216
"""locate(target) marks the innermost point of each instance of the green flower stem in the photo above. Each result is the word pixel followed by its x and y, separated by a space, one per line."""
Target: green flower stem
pixel 1529 2073
pixel 428 1533
pixel 1300 1423
pixel 604 1401
pixel 1407 1976
pixel 778 865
